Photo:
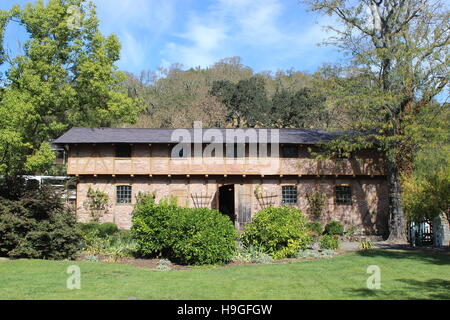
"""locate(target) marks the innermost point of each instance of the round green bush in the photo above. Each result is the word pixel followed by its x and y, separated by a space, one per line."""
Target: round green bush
pixel 107 229
pixel 184 235
pixel 280 231
pixel 203 236
pixel 334 228
pixel 329 242
pixel 89 227
pixel 315 228
pixel 151 227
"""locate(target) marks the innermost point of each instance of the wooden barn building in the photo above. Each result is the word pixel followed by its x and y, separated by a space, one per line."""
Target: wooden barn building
pixel 227 170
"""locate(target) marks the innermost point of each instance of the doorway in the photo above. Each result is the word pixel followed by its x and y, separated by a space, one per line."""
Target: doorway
pixel 226 201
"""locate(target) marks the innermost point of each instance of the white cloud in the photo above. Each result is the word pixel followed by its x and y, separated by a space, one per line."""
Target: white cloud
pixel 133 51
pixel 154 14
pixel 232 27
pixel 139 25
pixel 205 44
pixel 256 21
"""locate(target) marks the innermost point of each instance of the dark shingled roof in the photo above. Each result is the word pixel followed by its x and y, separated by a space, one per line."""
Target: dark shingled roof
pixel 110 135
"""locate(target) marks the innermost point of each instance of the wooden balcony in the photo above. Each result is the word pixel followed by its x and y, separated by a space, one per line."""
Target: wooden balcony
pixel 80 165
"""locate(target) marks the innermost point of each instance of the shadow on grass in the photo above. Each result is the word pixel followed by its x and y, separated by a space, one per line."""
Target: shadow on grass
pixel 433 289
pixel 437 258
pixel 408 288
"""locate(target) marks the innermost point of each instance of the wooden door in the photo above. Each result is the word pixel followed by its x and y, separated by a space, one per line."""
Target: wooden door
pixel 243 204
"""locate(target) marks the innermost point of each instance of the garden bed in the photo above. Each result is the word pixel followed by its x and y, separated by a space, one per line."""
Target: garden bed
pixel 153 263
pixel 135 262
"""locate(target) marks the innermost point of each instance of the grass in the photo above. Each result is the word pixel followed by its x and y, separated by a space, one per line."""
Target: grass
pixel 404 275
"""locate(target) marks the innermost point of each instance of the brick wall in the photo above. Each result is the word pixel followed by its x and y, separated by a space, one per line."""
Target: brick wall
pixel 369 211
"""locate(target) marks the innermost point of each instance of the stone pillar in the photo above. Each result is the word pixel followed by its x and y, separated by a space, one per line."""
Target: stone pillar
pixel 441 231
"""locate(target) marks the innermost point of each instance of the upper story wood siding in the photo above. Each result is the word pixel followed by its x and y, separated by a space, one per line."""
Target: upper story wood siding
pixel 155 159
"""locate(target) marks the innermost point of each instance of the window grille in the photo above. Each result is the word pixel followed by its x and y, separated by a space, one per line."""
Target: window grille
pixel 343 195
pixel 123 194
pixel 289 195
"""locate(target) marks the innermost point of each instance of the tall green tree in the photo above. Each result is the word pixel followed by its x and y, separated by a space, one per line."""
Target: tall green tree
pixel 65 76
pixel 247 102
pixel 301 109
pixel 426 188
pixel 399 53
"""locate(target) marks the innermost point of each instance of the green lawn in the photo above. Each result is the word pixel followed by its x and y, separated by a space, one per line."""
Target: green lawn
pixel 404 275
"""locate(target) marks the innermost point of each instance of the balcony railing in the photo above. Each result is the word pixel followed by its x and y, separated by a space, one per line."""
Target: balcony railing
pixel 222 166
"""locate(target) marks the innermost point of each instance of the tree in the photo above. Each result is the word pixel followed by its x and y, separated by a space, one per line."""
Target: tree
pixel 426 193
pixel 246 101
pixel 400 63
pixel 64 77
pixel 302 109
pixel 176 98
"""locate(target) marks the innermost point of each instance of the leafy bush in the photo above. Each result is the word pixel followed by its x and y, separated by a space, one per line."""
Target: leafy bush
pixel 152 226
pixel 328 253
pixel 251 254
pixel 302 254
pixel 104 229
pixel 315 228
pixel 351 231
pixel 164 265
pixel 123 236
pixel 334 228
pixel 116 245
pixel 329 242
pixel 187 236
pixel 263 258
pixel 279 231
pixel 38 226
pixel 107 229
pixel 91 258
pixel 366 245
pixel 203 236
pixel 93 243
pixel 89 227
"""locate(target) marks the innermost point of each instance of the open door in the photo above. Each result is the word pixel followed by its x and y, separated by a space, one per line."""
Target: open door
pixel 243 207
pixel 227 201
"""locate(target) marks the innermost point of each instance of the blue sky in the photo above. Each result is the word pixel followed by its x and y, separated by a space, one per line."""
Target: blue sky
pixel 267 34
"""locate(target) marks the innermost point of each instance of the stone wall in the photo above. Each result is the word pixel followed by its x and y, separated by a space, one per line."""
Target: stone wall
pixel 369 211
